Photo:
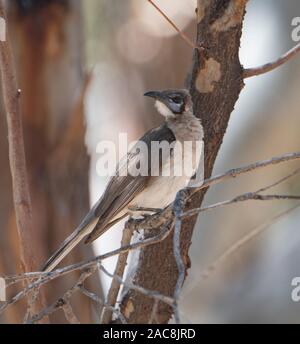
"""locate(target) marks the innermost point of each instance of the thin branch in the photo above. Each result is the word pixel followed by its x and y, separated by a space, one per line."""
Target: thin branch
pixel 69 313
pixel 153 317
pixel 45 278
pixel 244 241
pixel 153 221
pixel 182 34
pixel 249 196
pixel 160 219
pixel 245 169
pixel 46 311
pixel 150 293
pixel 248 73
pixel 164 219
pixel 242 198
pixel 22 201
pixel 97 300
pixel 119 271
pixel 64 302
pixel 21 195
pixel 166 230
pixel 179 204
pixel 280 181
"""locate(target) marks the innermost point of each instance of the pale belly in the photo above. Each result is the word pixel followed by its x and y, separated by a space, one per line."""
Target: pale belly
pixel 160 193
pixel 163 189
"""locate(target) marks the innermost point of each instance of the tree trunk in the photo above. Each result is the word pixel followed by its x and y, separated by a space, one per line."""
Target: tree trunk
pixel 215 83
pixel 48 49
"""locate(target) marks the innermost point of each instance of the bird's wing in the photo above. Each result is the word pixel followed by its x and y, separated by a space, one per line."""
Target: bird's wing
pixel 121 190
pixel 118 194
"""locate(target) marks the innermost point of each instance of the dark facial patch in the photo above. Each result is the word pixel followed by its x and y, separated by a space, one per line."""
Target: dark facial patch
pixel 176 103
pixel 175 100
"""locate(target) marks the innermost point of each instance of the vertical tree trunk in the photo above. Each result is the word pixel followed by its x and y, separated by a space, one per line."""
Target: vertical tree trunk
pixel 48 49
pixel 215 83
pixel 9 255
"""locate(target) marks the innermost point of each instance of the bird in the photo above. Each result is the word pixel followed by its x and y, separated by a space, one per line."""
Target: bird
pixel 157 189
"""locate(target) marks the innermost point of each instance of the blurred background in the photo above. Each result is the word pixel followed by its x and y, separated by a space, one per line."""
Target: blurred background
pixel 129 49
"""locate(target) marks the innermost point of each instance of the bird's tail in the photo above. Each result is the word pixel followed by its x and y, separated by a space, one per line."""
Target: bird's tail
pixel 67 246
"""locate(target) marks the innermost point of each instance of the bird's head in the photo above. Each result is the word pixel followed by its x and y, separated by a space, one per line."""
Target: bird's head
pixel 171 103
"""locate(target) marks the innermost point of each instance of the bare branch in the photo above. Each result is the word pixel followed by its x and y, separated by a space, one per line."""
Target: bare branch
pixel 86 264
pixel 249 196
pixel 182 34
pixel 97 300
pixel 280 181
pixel 248 73
pixel 164 219
pixel 246 169
pixel 119 271
pixel 69 313
pixel 22 200
pixel 178 208
pixel 153 317
pixel 245 240
pixel 44 278
pixel 153 294
pixel 64 302
pixel 179 205
pixel 21 195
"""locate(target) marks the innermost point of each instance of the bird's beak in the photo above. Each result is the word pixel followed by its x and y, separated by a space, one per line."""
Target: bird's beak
pixel 155 94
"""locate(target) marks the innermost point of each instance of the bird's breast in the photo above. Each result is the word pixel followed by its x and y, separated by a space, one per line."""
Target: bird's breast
pixel 175 174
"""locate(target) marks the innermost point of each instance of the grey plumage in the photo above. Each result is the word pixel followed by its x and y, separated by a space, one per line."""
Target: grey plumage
pixel 124 191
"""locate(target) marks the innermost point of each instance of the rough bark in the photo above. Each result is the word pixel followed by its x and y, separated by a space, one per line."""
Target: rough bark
pixel 215 82
pixel 48 50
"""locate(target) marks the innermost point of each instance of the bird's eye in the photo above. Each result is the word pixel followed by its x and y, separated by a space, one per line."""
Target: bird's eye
pixel 176 100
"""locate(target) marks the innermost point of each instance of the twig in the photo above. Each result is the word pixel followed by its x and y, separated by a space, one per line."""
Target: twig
pixel 165 218
pixel 97 300
pixel 69 313
pixel 61 272
pixel 154 313
pixel 21 195
pixel 249 196
pixel 178 209
pixel 22 201
pixel 150 222
pixel 182 34
pixel 166 299
pixel 184 195
pixel 280 181
pixel 242 198
pixel 64 302
pixel 248 73
pixel 245 169
pixel 245 240
pixel 119 271
pixel 31 301
pixel 157 221
pixel 49 276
